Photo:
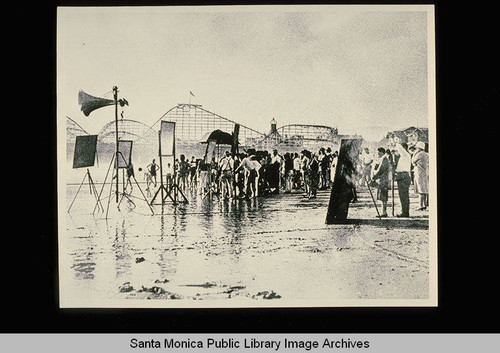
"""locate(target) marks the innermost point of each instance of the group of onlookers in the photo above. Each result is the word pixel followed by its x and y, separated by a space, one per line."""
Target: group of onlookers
pixel 404 165
pixel 251 173
pixel 260 173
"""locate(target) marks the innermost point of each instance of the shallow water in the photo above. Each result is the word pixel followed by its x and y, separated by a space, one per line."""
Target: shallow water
pixel 276 247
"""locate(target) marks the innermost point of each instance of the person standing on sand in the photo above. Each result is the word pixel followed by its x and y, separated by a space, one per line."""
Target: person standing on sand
pixel 403 177
pixel 366 167
pixel 420 162
pixel 192 173
pixel 254 177
pixel 183 174
pixel 381 173
pixel 130 174
pixel 149 181
pixel 226 167
pixel 153 168
pixel 306 158
pixel 313 172
pixel 288 171
pixel 274 175
pixel 251 167
pixel 297 182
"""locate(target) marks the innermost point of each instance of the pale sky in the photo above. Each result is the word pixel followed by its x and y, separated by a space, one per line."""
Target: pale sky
pixel 351 67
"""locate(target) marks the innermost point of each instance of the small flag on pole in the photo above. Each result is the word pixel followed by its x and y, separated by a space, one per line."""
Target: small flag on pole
pixel 191 93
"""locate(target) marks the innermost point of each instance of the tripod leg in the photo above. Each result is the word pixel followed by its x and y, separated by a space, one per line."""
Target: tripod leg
pixel 121 199
pixel 374 202
pixel 109 197
pixel 104 183
pixel 185 199
pixel 145 199
pixel 98 202
pixel 154 197
pixel 77 192
pixel 169 191
pixel 90 182
pixel 393 195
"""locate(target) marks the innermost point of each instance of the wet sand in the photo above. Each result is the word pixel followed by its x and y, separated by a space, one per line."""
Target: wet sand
pixel 275 250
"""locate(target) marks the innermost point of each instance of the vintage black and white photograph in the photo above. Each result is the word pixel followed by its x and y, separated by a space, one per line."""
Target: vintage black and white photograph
pixel 246 156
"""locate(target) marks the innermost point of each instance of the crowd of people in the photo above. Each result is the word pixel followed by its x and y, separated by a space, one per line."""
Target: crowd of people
pixel 249 174
pixel 260 173
pixel 399 168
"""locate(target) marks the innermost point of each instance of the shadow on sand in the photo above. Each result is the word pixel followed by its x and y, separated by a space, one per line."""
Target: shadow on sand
pixel 409 223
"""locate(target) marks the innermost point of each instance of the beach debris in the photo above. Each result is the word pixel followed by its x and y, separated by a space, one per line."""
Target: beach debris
pixel 139 259
pixel 233 288
pixel 154 289
pixel 267 295
pixel 160 281
pixel 126 287
pixel 204 285
pixel 159 293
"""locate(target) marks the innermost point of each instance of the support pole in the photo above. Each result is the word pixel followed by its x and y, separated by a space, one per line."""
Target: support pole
pixel 104 183
pixel 373 199
pixel 161 164
pixel 174 185
pixel 392 182
pixel 115 93
pixel 162 186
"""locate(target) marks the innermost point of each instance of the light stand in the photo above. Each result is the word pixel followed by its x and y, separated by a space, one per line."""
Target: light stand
pixel 124 194
pixel 84 156
pixel 115 95
pixel 92 189
pixel 162 187
pixel 88 104
pixel 172 188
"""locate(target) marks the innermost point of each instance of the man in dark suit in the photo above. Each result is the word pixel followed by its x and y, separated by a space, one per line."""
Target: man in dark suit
pixel 381 173
pixel 403 177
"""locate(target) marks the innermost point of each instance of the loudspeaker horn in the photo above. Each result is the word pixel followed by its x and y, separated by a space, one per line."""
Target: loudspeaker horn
pixel 90 103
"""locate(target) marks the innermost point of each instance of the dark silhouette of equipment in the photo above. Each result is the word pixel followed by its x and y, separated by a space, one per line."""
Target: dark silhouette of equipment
pixel 90 103
pixel 84 157
pixel 213 140
pixel 343 188
pixel 166 148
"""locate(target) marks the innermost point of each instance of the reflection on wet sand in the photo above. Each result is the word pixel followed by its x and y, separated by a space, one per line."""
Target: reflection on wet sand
pixel 264 248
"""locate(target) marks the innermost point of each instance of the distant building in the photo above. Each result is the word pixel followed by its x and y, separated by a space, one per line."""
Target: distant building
pixel 273 139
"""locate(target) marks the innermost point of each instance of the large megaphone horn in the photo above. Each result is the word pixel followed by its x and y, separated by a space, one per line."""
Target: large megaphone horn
pixel 90 103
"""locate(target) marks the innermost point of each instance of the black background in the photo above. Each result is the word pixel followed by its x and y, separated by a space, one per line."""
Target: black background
pixel 467 92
